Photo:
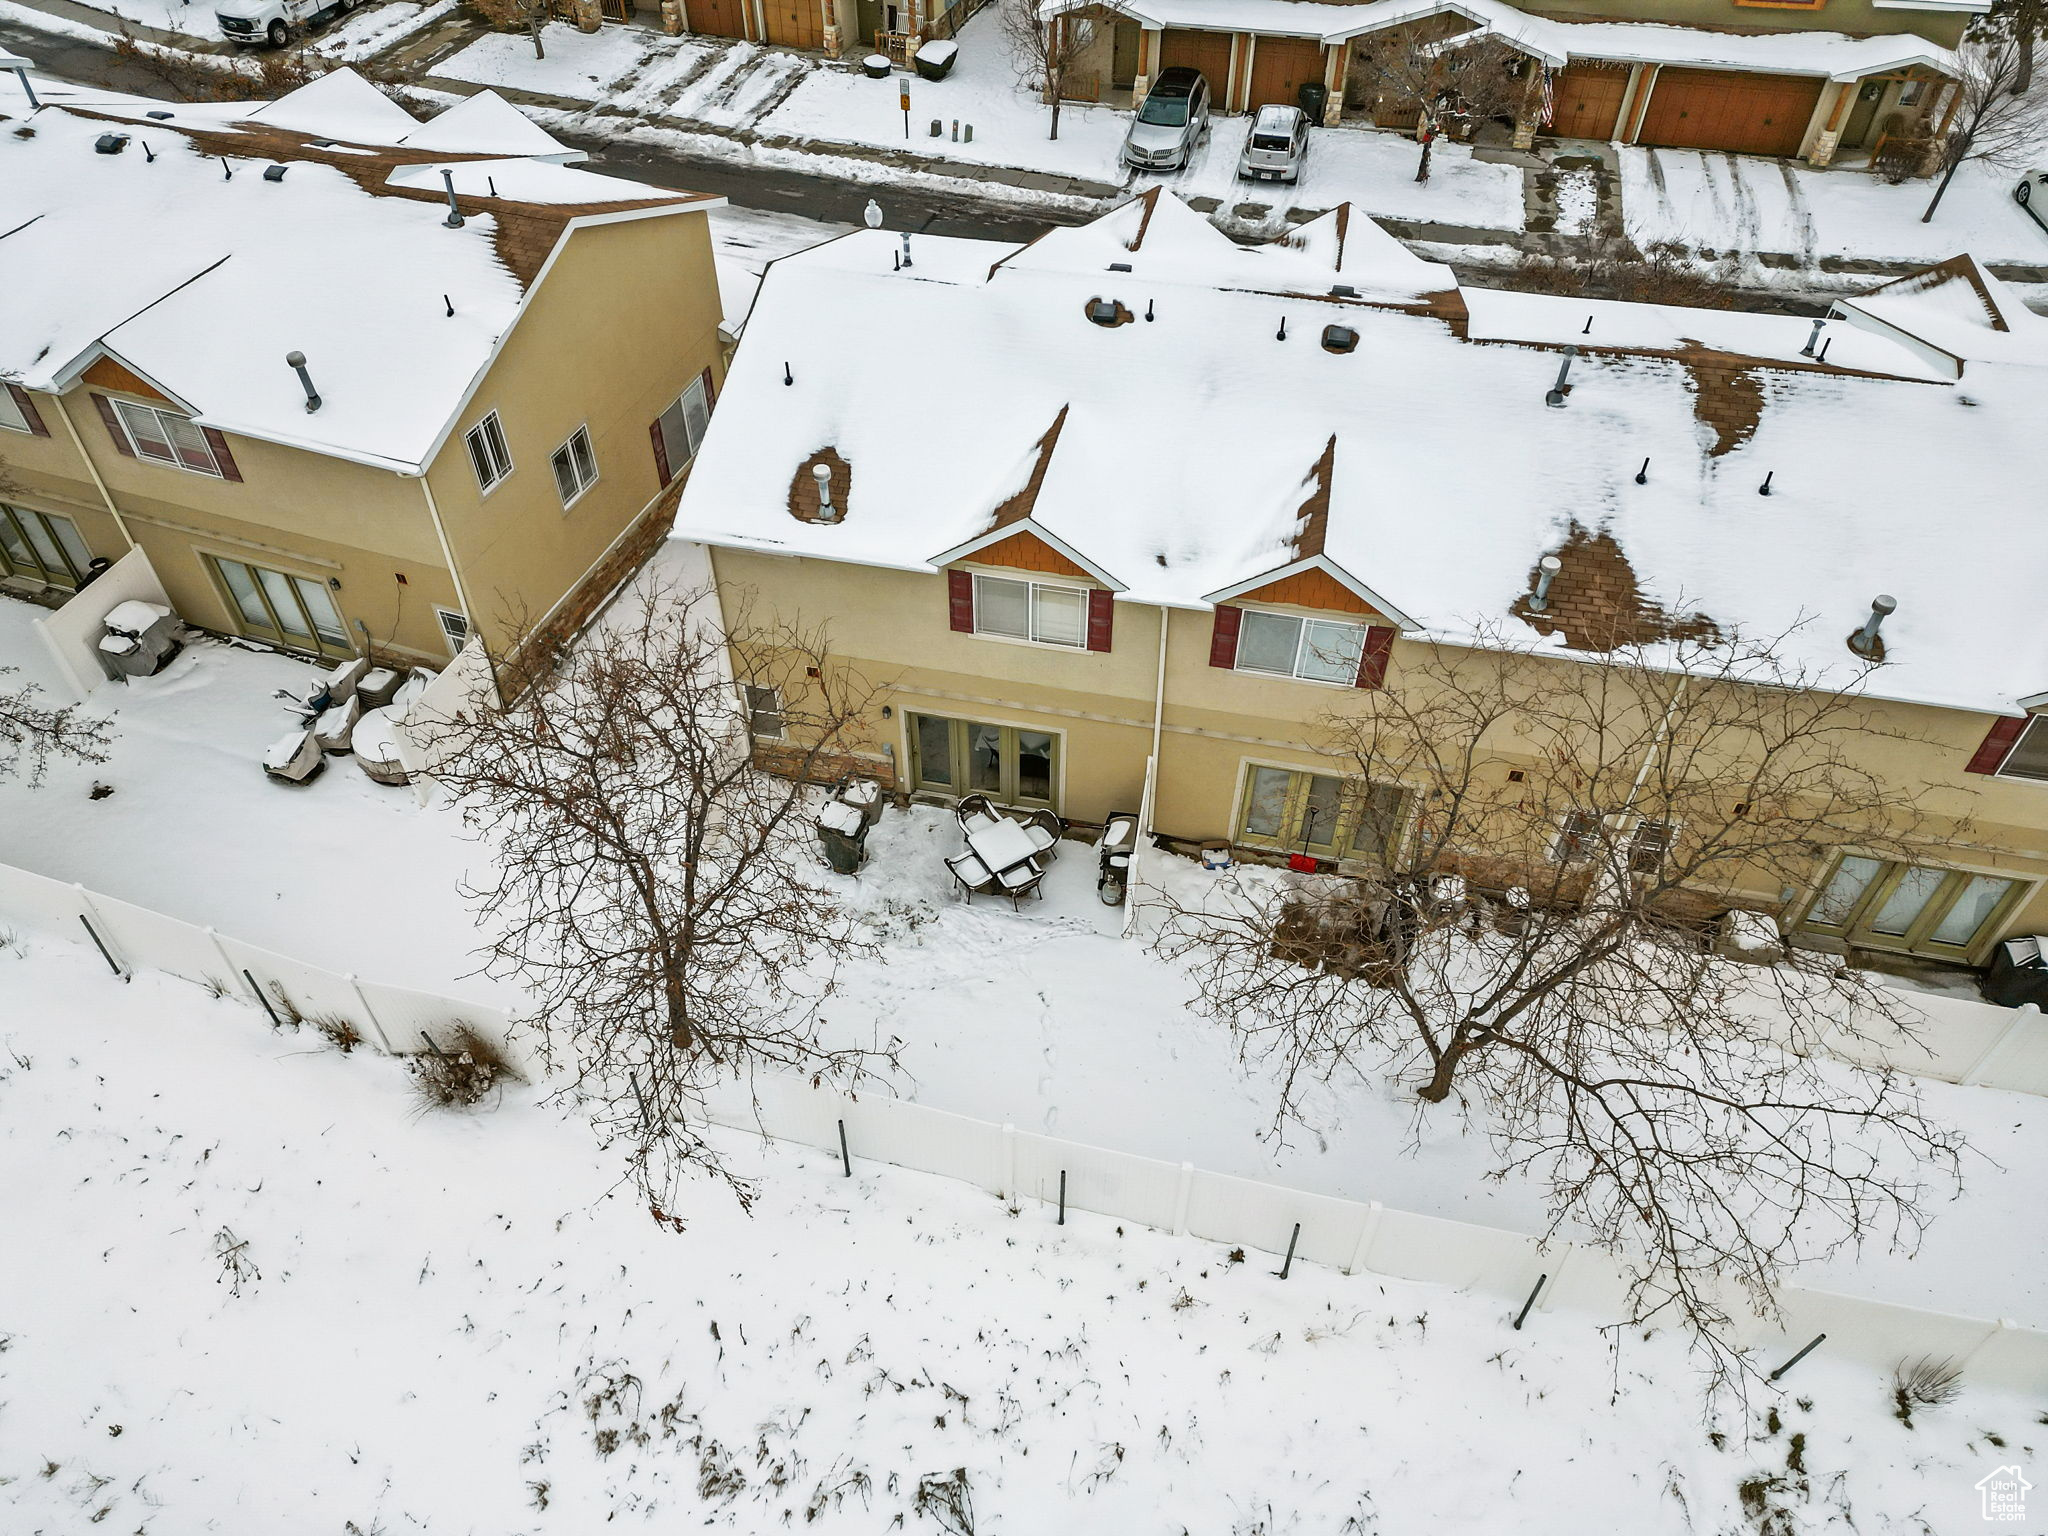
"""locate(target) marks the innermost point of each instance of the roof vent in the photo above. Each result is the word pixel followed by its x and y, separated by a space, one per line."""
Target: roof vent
pixel 1339 338
pixel 1343 291
pixel 297 362
pixel 1866 642
pixel 454 219
pixel 822 473
pixel 1119 266
pixel 110 143
pixel 273 173
pixel 162 117
pixel 1103 311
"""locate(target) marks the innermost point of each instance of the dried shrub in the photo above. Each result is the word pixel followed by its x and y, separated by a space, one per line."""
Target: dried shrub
pixel 1614 269
pixel 336 1031
pixel 459 1078
pixel 944 1498
pixel 1924 1383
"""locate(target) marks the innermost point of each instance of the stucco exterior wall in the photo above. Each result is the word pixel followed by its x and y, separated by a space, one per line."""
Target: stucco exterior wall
pixel 1857 17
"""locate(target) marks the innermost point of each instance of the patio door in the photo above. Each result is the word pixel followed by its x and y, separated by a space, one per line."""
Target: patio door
pixel 41 546
pixel 1009 764
pixel 1919 909
pixel 1289 811
pixel 294 611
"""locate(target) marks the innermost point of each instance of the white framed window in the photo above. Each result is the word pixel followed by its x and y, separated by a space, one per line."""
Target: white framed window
pixel 575 466
pixel 679 430
pixel 1649 845
pixel 1578 837
pixel 1031 610
pixel 2027 758
pixel 164 437
pixel 12 416
pixel 1285 645
pixel 455 627
pixel 488 455
pixel 765 719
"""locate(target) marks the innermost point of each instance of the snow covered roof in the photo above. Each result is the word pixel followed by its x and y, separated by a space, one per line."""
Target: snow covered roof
pixel 181 259
pixel 1186 452
pixel 1555 40
pixel 1952 314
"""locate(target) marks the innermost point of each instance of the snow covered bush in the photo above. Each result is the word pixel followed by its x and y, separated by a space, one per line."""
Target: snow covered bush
pixel 462 1077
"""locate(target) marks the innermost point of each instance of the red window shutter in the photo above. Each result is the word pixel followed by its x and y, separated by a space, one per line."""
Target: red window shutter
pixel 960 600
pixel 660 452
pixel 1101 617
pixel 221 456
pixel 29 414
pixel 114 428
pixel 1990 756
pixel 1372 661
pixel 710 391
pixel 1223 638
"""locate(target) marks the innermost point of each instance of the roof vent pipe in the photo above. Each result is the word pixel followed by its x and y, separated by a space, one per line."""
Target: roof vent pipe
pixel 454 219
pixel 1546 572
pixel 1818 327
pixel 19 67
pixel 297 360
pixel 1564 372
pixel 822 473
pixel 1865 641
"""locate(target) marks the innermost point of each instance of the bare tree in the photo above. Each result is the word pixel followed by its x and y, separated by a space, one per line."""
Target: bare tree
pixel 656 893
pixel 1468 77
pixel 528 16
pixel 1044 49
pixel 1994 121
pixel 2029 21
pixel 34 734
pixel 1536 950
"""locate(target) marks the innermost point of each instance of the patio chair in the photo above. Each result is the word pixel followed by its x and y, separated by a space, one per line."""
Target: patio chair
pixel 1021 880
pixel 1046 830
pixel 976 808
pixel 972 876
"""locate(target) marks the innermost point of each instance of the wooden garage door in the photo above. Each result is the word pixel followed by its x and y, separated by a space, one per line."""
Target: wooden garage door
pixel 718 18
pixel 1207 51
pixel 795 23
pixel 1585 101
pixel 1743 113
pixel 1280 67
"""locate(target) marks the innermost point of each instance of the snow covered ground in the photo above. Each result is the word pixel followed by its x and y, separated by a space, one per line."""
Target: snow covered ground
pixel 445 1322
pixel 782 95
pixel 1738 204
pixel 1041 1019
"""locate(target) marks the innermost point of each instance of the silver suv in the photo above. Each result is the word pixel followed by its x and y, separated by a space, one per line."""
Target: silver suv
pixel 1173 119
pixel 1276 145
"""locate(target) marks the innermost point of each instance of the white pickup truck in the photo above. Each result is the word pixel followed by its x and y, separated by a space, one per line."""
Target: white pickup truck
pixel 273 21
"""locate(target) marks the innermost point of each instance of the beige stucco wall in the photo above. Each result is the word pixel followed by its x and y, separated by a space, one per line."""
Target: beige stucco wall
pixel 624 319
pixel 1858 17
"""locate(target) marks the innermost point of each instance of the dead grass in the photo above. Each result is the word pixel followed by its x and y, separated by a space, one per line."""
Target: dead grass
pixel 462 1077
pixel 1613 269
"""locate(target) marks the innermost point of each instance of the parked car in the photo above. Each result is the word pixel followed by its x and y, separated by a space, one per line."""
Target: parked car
pixel 1274 149
pixel 1171 121
pixel 2032 195
pixel 274 21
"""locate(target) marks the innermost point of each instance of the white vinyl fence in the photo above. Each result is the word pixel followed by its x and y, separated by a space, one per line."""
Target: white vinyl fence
pixel 1349 1235
pixel 396 1019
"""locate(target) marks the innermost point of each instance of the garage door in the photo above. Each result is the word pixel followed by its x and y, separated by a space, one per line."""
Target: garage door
pixel 1743 113
pixel 795 23
pixel 1586 101
pixel 1280 67
pixel 1207 51
pixel 718 18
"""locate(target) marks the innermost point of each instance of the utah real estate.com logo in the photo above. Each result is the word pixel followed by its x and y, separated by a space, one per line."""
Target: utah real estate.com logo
pixel 2004 1491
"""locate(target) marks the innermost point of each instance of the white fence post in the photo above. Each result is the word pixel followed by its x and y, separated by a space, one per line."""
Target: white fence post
pixel 1996 1330
pixel 213 936
pixel 368 1012
pixel 1180 1199
pixel 1367 1231
pixel 104 934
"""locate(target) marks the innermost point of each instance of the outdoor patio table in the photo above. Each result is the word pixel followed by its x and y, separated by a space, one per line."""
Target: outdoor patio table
pixel 1001 845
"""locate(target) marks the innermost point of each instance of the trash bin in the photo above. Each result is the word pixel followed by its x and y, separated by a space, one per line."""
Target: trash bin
pixel 2018 974
pixel 843 833
pixel 1312 98
pixel 876 66
pixel 934 60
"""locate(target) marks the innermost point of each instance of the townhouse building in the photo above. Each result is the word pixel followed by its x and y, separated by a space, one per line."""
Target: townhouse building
pixel 356 383
pixel 1132 494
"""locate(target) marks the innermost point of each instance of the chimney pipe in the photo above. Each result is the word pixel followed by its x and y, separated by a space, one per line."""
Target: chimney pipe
pixel 827 513
pixel 1818 327
pixel 1865 642
pixel 297 360
pixel 1564 371
pixel 1546 572
pixel 454 219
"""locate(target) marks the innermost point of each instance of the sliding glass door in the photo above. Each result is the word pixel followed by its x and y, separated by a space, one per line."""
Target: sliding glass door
pixel 295 611
pixel 1920 909
pixel 1009 764
pixel 41 546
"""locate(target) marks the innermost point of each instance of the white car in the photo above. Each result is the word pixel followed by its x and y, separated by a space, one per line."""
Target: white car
pixel 2033 186
pixel 1275 147
pixel 273 21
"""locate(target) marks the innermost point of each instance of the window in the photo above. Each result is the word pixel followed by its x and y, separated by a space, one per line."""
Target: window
pixel 679 430
pixel 455 626
pixel 765 719
pixel 41 546
pixel 163 437
pixel 296 611
pixel 1578 838
pixel 488 455
pixel 1290 811
pixel 2028 756
pixel 1922 909
pixel 1283 645
pixel 1010 764
pixel 1031 610
pixel 1649 845
pixel 575 466
pixel 12 415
